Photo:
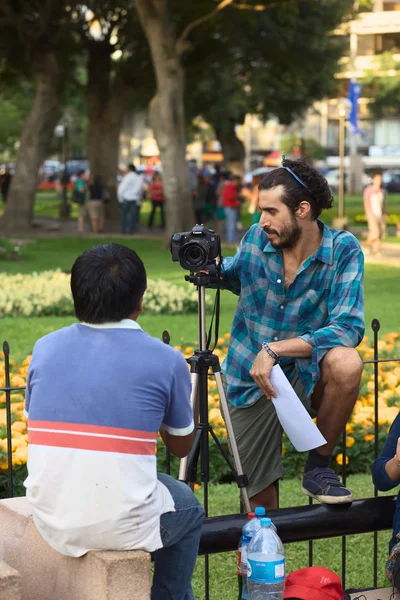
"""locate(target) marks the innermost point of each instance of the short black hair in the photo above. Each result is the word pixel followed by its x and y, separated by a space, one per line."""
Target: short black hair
pixel 132 167
pixel 319 195
pixel 107 283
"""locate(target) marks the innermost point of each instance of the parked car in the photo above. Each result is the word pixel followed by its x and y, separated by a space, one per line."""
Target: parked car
pixel 332 178
pixel 391 181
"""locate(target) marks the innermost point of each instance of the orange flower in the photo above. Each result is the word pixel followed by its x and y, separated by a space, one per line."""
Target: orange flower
pixel 339 459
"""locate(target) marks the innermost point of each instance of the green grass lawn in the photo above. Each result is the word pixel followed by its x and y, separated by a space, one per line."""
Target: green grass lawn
pixel 224 500
pixel 382 290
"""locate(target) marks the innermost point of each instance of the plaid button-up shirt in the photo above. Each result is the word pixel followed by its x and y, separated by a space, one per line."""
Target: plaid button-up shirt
pixel 324 305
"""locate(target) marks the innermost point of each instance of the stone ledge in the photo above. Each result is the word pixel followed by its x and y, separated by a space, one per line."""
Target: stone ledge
pixel 381 594
pixel 10 583
pixel 47 575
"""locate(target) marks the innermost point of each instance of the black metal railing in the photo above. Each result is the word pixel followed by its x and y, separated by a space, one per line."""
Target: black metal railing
pixel 305 523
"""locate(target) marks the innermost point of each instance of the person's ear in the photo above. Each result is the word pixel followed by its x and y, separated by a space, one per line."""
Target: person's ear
pixel 140 305
pixel 303 210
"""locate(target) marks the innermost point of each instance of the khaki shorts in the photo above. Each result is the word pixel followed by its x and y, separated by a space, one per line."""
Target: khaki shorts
pixel 258 436
pixel 96 209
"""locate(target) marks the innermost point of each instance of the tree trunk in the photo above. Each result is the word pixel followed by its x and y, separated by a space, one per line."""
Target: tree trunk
pixel 167 116
pixel 35 138
pixel 106 108
pixel 232 147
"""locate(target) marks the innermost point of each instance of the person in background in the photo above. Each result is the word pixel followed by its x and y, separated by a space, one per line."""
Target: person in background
pixel 219 210
pixel 211 198
pixel 98 195
pixel 251 195
pixel 231 204
pixel 313 583
pixel 130 193
pixel 156 194
pixel 5 182
pixel 81 189
pixel 199 200
pixel 375 209
pixel 386 476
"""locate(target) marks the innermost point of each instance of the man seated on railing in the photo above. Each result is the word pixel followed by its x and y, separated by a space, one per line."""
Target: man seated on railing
pixel 98 393
pixel 301 304
pixel 386 476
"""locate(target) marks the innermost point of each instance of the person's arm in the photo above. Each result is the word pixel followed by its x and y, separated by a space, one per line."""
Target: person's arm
pixel 344 326
pixel 386 468
pixel 122 189
pixel 367 201
pixel 177 429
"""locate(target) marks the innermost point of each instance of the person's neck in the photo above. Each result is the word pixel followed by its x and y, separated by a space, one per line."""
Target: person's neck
pixel 308 243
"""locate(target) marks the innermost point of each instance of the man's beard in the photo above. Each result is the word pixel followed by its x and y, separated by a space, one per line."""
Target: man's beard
pixel 288 237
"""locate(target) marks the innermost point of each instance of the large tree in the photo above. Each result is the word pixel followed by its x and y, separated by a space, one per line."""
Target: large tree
pixel 173 28
pixel 34 41
pixel 119 75
pixel 280 62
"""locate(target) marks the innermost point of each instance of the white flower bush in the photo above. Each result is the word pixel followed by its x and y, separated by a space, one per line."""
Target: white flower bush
pixel 48 294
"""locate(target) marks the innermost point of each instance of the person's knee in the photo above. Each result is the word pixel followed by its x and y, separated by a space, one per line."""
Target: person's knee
pixel 342 366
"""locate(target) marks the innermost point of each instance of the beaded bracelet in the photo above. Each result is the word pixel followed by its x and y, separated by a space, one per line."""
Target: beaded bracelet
pixel 271 353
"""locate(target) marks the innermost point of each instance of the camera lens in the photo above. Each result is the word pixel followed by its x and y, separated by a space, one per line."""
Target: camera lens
pixel 194 255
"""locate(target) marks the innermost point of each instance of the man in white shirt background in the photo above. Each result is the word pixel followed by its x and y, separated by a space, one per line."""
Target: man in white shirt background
pixel 130 193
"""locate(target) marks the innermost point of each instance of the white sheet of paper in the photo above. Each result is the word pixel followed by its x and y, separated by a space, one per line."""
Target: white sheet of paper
pixel 294 418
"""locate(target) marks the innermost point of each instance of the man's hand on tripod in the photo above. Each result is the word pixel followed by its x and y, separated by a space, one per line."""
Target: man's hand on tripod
pixel 261 371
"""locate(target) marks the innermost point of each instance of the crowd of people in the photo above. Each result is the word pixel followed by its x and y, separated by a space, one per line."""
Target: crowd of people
pixel 218 200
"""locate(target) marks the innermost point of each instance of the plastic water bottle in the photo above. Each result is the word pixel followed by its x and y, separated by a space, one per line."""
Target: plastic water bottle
pixel 242 562
pixel 251 527
pixel 265 564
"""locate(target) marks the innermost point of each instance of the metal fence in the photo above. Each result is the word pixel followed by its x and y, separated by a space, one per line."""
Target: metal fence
pixel 298 524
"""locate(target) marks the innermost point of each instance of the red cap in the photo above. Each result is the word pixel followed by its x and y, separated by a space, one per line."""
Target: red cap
pixel 313 583
pixel 251 515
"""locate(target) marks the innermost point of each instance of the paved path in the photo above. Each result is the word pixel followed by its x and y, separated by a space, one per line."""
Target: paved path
pixel 47 227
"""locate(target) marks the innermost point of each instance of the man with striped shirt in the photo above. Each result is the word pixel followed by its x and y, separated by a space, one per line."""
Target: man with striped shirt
pixel 300 288
pixel 98 393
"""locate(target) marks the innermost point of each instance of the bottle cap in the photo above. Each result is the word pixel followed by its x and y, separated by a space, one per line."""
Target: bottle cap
pixel 260 511
pixel 251 515
pixel 265 522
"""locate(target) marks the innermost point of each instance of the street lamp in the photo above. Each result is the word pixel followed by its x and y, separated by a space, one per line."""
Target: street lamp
pixel 344 109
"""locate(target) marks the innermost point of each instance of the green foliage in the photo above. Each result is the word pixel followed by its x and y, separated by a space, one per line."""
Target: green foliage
pixel 382 86
pixel 308 148
pixel 11 249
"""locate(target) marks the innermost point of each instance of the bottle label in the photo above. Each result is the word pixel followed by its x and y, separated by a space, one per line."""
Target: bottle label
pixel 239 562
pixel 266 572
pixel 246 539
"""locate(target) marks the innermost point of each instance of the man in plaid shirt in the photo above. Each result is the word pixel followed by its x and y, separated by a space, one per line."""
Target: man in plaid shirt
pixel 300 288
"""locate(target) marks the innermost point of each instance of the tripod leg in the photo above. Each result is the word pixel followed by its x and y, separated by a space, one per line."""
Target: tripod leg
pixel 232 439
pixel 183 465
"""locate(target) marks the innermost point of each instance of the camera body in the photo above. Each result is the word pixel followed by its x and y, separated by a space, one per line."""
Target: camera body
pixel 196 250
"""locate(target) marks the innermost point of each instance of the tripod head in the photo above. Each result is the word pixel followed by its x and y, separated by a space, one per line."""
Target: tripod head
pixel 205 278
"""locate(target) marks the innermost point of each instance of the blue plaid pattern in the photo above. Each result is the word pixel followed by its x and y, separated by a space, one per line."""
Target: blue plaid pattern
pixel 324 306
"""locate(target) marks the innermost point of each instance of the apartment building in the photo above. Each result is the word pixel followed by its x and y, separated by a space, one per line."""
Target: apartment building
pixel 365 39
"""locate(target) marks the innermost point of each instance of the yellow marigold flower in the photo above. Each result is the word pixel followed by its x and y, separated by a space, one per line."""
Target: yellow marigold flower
pixel 349 428
pixel 197 486
pixel 369 437
pixel 4 464
pixel 20 456
pixel 18 426
pixel 350 441
pixel 227 335
pixel 339 459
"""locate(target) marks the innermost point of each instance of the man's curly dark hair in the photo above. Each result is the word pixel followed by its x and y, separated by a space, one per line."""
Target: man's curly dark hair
pixel 318 193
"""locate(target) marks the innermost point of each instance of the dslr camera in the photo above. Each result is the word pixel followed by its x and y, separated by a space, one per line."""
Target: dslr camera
pixel 196 250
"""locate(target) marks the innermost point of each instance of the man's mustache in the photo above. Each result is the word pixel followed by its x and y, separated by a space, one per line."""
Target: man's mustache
pixel 271 231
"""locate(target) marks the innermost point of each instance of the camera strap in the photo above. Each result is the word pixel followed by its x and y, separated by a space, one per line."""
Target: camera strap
pixel 216 313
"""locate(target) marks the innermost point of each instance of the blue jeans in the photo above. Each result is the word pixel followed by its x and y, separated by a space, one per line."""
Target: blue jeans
pixel 129 215
pixel 180 534
pixel 231 216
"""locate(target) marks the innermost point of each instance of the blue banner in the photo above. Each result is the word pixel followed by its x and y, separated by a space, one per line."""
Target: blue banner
pixel 354 95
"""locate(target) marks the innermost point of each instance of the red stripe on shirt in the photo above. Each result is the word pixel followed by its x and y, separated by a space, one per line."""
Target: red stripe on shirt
pixel 89 442
pixel 100 429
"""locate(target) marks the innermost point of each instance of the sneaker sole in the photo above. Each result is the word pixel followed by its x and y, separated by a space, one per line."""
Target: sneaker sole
pixel 329 499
